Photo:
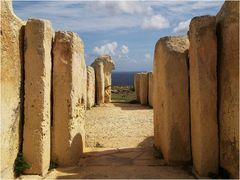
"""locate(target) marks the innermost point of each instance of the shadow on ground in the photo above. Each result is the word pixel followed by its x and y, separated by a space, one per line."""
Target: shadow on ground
pixel 140 162
pixel 128 106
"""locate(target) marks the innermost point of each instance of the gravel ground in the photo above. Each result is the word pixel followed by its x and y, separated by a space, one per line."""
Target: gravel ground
pixel 119 125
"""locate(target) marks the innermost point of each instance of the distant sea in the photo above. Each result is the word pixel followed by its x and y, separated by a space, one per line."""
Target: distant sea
pixel 123 78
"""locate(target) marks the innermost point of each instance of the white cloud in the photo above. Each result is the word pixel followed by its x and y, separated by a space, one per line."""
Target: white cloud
pixel 124 49
pixel 182 26
pixel 155 22
pixel 108 48
pixel 128 7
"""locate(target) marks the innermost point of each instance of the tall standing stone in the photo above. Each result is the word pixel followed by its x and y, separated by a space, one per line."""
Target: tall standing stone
pixel 228 86
pixel 108 67
pixel 203 94
pixel 171 99
pixel 150 89
pixel 136 86
pixel 37 105
pixel 68 98
pixel 143 86
pixel 11 87
pixel 90 87
pixel 99 74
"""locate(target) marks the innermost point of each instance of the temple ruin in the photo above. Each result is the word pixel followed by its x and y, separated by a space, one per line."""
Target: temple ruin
pixel 46 89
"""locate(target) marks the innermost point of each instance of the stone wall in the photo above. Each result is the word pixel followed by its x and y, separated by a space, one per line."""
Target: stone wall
pixel 12 31
pixel 171 100
pixel 68 98
pixel 228 86
pixel 203 94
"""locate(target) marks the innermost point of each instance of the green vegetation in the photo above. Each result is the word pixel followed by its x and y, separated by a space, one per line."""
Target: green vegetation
pixel 53 165
pixel 20 165
pixel 123 94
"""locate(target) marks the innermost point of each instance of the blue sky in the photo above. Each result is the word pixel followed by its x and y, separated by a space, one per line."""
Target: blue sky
pixel 127 30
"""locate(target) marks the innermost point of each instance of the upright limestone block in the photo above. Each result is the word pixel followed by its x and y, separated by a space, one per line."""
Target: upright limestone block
pixel 99 75
pixel 90 87
pixel 11 87
pixel 108 67
pixel 37 105
pixel 228 86
pixel 171 99
pixel 137 86
pixel 143 86
pixel 68 98
pixel 203 94
pixel 150 89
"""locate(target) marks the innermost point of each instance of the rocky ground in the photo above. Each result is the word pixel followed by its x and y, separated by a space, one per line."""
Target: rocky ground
pixel 119 144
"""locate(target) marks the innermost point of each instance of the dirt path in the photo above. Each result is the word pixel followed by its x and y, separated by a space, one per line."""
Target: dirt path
pixel 119 125
pixel 119 145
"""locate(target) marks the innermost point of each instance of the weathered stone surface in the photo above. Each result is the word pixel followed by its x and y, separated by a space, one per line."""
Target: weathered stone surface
pixel 11 87
pixel 137 86
pixel 228 86
pixel 68 98
pixel 37 105
pixel 171 99
pixel 99 76
pixel 150 89
pixel 143 86
pixel 90 87
pixel 203 94
pixel 108 66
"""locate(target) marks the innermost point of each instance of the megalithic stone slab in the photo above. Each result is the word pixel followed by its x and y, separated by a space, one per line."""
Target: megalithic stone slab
pixel 37 105
pixel 12 30
pixel 143 86
pixel 228 86
pixel 171 99
pixel 150 89
pixel 100 90
pixel 203 94
pixel 90 87
pixel 137 86
pixel 68 98
pixel 108 66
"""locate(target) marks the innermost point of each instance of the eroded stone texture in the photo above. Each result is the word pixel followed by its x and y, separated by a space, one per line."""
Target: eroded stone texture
pixel 150 89
pixel 37 112
pixel 68 98
pixel 203 94
pixel 137 86
pixel 90 87
pixel 108 66
pixel 143 86
pixel 171 99
pixel 11 87
pixel 99 76
pixel 228 86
